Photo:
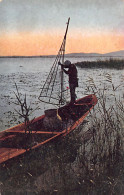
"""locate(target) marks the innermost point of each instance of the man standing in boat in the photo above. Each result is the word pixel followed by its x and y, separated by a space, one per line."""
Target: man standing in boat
pixel 73 80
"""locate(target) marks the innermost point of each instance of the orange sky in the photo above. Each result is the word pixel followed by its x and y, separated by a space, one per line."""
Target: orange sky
pixel 27 43
pixel 37 27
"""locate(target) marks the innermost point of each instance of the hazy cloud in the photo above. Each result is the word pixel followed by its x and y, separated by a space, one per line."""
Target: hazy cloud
pixel 20 15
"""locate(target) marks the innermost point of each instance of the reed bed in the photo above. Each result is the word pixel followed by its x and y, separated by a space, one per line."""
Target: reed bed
pixel 77 164
pixel 110 63
pixel 91 166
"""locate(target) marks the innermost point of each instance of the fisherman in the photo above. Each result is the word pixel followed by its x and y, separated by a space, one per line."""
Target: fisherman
pixel 73 80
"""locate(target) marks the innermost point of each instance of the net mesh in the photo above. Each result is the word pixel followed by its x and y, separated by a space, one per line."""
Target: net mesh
pixel 54 90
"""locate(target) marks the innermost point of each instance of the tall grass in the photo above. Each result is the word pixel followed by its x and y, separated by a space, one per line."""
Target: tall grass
pixel 110 63
pixel 88 161
pixel 103 163
pixel 94 166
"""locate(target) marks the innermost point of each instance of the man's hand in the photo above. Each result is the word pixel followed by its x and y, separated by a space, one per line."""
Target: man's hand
pixel 59 63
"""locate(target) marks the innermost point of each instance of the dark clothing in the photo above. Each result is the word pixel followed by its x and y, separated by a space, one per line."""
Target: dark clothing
pixel 73 80
pixel 72 72
pixel 72 92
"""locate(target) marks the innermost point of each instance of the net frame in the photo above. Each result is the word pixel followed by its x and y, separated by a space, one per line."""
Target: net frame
pixel 52 77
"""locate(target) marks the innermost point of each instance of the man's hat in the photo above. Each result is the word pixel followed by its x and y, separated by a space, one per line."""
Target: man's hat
pixel 67 62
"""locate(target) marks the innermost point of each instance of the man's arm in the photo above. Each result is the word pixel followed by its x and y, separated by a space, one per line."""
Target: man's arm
pixel 64 66
pixel 65 71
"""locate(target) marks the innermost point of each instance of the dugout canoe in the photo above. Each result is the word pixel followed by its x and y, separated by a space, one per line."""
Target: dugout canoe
pixel 15 142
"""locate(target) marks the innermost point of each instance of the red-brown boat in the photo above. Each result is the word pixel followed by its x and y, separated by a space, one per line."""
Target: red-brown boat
pixel 44 129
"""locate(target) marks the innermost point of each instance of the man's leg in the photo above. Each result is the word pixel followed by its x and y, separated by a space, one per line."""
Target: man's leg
pixel 72 92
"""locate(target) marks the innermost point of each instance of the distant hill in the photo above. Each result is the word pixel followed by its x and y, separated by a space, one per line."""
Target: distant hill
pixel 111 54
pixel 82 54
pixel 116 54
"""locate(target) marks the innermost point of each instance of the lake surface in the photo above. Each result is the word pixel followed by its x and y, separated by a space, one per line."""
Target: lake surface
pixel 30 73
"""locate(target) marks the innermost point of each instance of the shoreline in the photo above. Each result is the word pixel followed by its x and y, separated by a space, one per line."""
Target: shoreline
pixel 67 55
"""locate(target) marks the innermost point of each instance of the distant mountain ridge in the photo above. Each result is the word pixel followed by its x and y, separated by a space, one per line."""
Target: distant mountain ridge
pixel 110 54
pixel 115 54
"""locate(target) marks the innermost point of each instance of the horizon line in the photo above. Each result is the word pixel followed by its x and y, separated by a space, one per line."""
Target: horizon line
pixel 50 55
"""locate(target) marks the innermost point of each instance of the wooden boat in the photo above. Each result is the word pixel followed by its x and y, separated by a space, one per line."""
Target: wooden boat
pixel 15 142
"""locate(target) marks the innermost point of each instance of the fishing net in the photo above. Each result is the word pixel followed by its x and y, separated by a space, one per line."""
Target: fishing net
pixel 54 90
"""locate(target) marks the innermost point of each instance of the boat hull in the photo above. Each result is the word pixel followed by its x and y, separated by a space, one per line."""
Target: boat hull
pixel 15 142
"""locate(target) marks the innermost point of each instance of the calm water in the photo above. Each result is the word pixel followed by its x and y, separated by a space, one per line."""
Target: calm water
pixel 30 74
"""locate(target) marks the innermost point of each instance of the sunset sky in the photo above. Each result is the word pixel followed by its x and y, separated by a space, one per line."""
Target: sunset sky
pixel 37 27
